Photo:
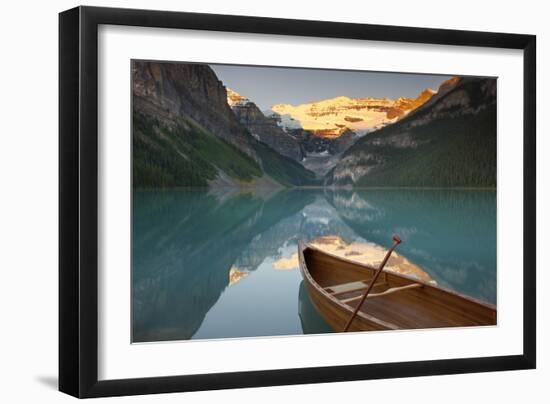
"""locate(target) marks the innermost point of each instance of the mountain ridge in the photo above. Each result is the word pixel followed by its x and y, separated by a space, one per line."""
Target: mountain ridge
pixel 450 141
pixel 331 117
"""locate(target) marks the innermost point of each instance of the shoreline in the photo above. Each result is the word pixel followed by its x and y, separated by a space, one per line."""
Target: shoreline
pixel 308 187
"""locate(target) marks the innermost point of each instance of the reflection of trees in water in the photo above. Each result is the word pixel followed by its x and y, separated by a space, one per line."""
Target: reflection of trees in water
pixel 184 244
pixel 450 233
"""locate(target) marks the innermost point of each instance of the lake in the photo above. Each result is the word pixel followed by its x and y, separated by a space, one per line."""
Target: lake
pixel 219 264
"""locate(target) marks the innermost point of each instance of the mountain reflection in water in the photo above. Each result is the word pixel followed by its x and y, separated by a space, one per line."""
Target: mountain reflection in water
pixel 363 252
pixel 220 265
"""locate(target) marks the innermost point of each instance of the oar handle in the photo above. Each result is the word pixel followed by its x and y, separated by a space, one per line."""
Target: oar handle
pixel 396 241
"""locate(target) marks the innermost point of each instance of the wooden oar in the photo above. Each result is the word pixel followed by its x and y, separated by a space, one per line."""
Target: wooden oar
pixel 396 242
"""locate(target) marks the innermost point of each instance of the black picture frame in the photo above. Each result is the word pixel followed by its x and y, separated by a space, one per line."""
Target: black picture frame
pixel 78 200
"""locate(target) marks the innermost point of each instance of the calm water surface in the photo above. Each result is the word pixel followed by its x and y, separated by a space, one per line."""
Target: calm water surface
pixel 207 264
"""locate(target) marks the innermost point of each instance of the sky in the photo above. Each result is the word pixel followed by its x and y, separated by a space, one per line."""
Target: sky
pixel 266 86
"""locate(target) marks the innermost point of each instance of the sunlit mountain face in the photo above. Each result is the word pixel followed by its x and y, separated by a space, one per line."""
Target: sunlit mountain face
pixel 235 99
pixel 235 275
pixel 331 118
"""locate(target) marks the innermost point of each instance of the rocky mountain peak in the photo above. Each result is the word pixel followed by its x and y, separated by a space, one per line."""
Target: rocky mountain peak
pixel 333 117
pixel 235 99
pixel 449 83
pixel 263 128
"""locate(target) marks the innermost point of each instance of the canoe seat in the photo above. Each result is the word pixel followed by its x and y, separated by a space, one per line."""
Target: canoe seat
pixel 384 293
pixel 349 287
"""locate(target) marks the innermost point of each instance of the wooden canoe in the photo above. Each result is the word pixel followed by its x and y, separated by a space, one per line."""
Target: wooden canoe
pixel 396 302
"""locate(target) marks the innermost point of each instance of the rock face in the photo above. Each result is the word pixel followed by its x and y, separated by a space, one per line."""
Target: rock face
pixel 263 128
pixel 457 97
pixel 186 134
pixel 313 144
pixel 448 141
pixel 170 91
pixel 333 117
pixel 317 150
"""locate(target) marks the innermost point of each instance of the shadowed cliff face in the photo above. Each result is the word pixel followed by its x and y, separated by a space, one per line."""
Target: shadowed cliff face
pixel 168 91
pixel 185 134
pixel 263 128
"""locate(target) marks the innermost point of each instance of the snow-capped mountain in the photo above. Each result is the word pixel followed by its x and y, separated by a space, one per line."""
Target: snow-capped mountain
pixel 234 99
pixel 263 128
pixel 332 117
pixel 286 122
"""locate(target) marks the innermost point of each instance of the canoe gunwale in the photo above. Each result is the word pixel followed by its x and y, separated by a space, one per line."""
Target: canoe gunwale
pixel 303 246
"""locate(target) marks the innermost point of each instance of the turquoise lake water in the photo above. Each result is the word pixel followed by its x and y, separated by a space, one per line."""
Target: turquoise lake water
pixel 187 242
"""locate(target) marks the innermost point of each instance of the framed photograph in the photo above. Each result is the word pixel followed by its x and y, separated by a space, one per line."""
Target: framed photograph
pixel 251 201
